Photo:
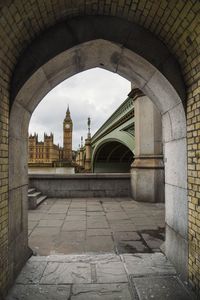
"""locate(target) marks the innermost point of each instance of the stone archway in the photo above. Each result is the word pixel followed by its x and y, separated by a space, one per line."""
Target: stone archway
pixel 112 156
pixel 118 53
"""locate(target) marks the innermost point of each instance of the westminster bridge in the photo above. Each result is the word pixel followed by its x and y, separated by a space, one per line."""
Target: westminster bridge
pixel 111 148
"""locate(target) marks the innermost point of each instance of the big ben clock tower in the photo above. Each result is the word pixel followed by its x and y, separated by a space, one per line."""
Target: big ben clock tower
pixel 67 137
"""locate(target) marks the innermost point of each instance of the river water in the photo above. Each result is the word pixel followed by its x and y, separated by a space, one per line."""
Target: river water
pixel 48 170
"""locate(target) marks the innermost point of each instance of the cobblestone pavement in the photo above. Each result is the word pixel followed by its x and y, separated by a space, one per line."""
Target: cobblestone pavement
pixel 90 249
pixel 64 226
pixel 99 277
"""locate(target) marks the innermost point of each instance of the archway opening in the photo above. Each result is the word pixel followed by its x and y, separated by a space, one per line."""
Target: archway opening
pixel 159 87
pixel 113 157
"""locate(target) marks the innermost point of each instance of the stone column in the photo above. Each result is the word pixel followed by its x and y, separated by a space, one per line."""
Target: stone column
pixel 147 170
pixel 81 160
pixel 88 154
pixel 78 158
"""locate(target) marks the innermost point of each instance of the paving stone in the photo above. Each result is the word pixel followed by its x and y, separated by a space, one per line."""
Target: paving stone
pixel 58 210
pixel 95 213
pixel 152 242
pixel 109 272
pixel 96 232
pixel 116 216
pixel 94 208
pixel 76 212
pixel 69 247
pixel 32 224
pixel 50 223
pixel 86 258
pixel 39 292
pixel 66 273
pixel 101 292
pixel 95 224
pixel 147 263
pixel 42 245
pixel 44 231
pixel 112 208
pixel 74 225
pixel 145 227
pixel 126 236
pixel 131 247
pixel 75 218
pixel 35 216
pixel 99 244
pixel 52 216
pixel 71 236
pixel 97 218
pixel 160 288
pixel 123 227
pixel 31 273
pixel 143 221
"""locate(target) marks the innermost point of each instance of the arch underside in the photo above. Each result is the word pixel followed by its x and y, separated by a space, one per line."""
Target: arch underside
pixel 112 157
pixel 84 43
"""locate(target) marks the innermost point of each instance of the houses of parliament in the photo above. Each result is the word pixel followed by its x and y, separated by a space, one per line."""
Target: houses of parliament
pixel 46 153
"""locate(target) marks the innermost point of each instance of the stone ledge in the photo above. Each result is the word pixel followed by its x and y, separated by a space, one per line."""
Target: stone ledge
pixel 85 176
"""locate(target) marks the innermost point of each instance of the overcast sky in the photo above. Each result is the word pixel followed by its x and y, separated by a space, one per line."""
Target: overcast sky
pixel 95 93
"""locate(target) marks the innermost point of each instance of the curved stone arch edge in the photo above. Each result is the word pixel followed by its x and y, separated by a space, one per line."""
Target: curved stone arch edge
pixel 81 29
pixel 134 68
pixel 105 141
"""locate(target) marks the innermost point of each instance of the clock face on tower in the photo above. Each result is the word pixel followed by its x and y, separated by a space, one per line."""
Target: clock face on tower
pixel 67 126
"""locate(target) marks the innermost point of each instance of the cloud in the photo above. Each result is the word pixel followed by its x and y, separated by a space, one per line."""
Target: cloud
pixel 96 93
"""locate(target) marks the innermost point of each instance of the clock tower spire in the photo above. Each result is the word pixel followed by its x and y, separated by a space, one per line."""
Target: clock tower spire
pixel 67 136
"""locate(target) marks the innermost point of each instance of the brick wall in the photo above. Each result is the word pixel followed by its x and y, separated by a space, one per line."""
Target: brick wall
pixel 4 274
pixel 176 23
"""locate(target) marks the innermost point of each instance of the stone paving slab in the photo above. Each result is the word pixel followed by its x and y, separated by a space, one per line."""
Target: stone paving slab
pixel 143 264
pixel 50 223
pixel 86 258
pixel 99 277
pixel 98 232
pixel 131 247
pixel 161 288
pixel 101 292
pixel 94 218
pixel 108 272
pixel 66 273
pixel 40 292
pixel 32 272
pixel 74 225
pixel 152 242
pixel 99 244
pixel 126 236
pixel 44 231
pixel 53 216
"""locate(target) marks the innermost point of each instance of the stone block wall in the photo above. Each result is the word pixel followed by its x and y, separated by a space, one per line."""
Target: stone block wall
pixel 82 185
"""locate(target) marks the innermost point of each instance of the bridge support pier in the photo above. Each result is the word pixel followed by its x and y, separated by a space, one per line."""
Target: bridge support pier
pixel 81 160
pixel 147 170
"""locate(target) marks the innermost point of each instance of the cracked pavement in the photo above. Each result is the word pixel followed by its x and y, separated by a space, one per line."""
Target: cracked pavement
pixel 97 249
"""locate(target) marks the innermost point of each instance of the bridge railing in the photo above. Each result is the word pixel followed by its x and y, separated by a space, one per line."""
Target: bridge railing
pixel 120 112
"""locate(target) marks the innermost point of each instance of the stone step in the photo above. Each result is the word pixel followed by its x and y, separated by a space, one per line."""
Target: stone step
pixel 34 195
pixel 31 190
pixel 35 198
pixel 41 199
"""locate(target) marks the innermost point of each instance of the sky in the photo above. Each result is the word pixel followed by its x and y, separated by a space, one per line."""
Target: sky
pixel 95 93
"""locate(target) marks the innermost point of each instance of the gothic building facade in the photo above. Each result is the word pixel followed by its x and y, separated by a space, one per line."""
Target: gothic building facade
pixel 46 153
